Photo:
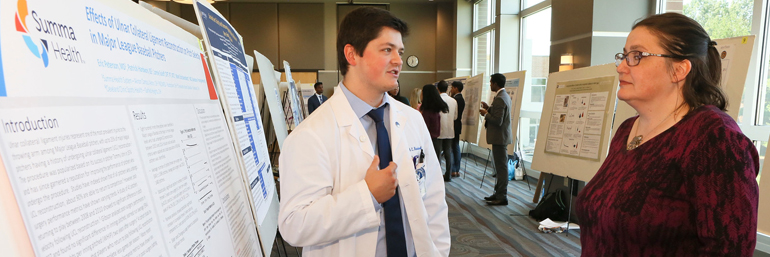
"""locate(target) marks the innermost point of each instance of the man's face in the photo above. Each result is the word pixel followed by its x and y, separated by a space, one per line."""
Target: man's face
pixel 493 86
pixel 319 89
pixel 381 62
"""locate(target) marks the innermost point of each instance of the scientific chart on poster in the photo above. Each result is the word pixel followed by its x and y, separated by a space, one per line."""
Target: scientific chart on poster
pixel 240 104
pixel 577 117
pixel 293 96
pixel 470 117
pixel 575 125
pixel 735 54
pixel 113 138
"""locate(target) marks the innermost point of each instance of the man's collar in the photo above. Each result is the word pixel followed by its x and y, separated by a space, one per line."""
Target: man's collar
pixel 360 107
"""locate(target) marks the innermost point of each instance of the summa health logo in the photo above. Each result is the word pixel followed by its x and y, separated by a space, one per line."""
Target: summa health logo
pixel 21 26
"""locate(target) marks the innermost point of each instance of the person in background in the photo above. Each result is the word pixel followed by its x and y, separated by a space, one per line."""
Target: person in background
pixel 456 91
pixel 347 188
pixel 497 121
pixel 396 94
pixel 317 99
pixel 680 177
pixel 431 108
pixel 447 129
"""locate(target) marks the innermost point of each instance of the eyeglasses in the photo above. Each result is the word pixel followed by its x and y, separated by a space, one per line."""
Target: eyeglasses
pixel 633 57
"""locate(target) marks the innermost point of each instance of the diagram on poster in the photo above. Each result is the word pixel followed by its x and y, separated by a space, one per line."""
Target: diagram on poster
pixel 234 80
pixel 577 117
pixel 514 87
pixel 726 53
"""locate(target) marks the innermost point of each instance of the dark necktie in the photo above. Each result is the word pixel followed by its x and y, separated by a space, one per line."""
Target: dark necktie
pixel 320 100
pixel 394 224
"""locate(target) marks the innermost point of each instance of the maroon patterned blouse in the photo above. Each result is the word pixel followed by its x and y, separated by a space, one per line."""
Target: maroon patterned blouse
pixel 689 191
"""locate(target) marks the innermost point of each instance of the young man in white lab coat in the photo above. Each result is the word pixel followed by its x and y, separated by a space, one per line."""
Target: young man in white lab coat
pixel 340 196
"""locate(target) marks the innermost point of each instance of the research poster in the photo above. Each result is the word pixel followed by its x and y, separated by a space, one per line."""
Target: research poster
pixel 293 96
pixel 514 86
pixel 470 117
pixel 726 54
pixel 240 101
pixel 577 121
pixel 269 82
pixel 113 138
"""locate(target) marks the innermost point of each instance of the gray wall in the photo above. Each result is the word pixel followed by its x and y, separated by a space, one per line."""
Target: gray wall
pixel 304 34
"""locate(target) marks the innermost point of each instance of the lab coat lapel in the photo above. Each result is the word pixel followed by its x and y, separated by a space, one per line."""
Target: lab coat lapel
pixel 349 122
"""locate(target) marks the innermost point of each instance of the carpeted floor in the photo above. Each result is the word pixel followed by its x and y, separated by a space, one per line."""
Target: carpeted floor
pixel 490 231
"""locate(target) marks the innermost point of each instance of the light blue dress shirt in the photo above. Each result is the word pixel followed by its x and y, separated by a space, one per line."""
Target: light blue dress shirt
pixel 361 108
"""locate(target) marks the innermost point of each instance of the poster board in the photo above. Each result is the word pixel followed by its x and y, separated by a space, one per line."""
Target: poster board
pixel 470 117
pixel 113 113
pixel 239 101
pixel 514 87
pixel 307 90
pixel 575 126
pixel 272 96
pixel 736 54
pixel 293 95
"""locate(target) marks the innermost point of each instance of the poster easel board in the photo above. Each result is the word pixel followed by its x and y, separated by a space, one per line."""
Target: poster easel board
pixel 119 127
pixel 239 101
pixel 736 55
pixel 578 110
pixel 514 87
pixel 296 104
pixel 272 96
pixel 470 118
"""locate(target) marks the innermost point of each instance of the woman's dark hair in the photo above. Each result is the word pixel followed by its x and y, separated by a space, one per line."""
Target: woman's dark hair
pixel 685 38
pixel 431 100
pixel 361 26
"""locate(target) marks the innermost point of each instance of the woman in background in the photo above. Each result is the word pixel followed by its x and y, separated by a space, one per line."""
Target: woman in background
pixel 679 178
pixel 432 105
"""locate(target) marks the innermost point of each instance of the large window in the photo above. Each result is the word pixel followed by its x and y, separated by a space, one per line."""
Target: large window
pixel 535 51
pixel 483 14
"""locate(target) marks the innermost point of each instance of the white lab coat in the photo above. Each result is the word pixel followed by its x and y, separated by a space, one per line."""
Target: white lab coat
pixel 326 206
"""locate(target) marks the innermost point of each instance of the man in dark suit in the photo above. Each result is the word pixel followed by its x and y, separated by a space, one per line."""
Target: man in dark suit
pixel 317 99
pixel 497 120
pixel 456 91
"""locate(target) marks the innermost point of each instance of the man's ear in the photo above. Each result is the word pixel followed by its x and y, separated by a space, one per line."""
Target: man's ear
pixel 350 54
pixel 680 70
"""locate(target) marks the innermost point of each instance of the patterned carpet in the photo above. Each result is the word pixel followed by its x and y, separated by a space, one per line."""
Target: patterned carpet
pixel 490 231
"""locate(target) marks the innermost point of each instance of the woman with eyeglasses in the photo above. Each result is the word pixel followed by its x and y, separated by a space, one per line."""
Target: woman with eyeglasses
pixel 679 178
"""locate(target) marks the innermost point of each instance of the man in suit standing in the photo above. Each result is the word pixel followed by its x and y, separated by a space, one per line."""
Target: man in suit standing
pixel 317 99
pixel 456 91
pixel 497 120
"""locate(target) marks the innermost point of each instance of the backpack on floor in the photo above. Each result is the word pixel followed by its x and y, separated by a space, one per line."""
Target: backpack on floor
pixel 552 206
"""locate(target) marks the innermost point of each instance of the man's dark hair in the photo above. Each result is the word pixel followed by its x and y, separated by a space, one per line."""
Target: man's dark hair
pixel 442 86
pixel 361 26
pixel 459 85
pixel 498 79
pixel 317 84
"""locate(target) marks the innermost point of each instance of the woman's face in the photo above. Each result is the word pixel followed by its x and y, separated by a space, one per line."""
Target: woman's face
pixel 650 81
